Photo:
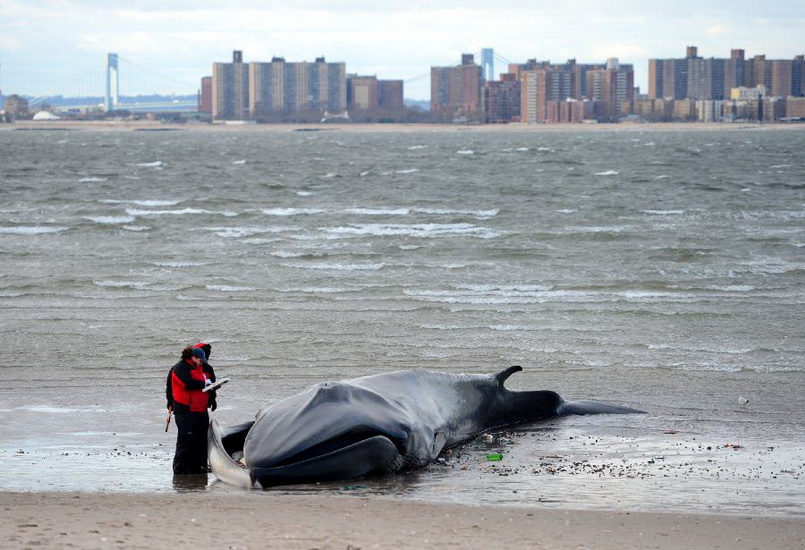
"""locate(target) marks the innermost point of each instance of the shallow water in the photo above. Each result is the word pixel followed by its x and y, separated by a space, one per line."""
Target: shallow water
pixel 661 270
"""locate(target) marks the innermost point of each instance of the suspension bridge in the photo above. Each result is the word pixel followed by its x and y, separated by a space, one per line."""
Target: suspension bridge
pixel 120 84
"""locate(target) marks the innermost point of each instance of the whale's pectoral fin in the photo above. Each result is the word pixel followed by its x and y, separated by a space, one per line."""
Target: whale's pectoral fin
pixel 503 375
pixel 439 441
pixel 592 407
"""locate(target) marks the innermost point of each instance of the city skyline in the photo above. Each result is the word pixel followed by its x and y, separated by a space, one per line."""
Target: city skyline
pixel 46 43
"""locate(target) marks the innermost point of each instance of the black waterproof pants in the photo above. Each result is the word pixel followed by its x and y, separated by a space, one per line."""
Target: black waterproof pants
pixel 191 443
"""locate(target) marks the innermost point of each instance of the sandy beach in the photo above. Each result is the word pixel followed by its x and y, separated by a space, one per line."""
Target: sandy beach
pixel 157 126
pixel 260 520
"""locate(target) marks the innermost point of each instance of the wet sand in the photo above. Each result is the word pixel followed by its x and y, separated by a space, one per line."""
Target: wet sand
pixel 260 520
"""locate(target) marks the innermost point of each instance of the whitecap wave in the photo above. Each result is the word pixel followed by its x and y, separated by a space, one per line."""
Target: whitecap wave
pixel 449 212
pixel 428 230
pixel 91 179
pixel 292 211
pixel 32 230
pixel 379 211
pixel 230 288
pixel 607 173
pixel 246 231
pixel 147 202
pixel 136 285
pixel 731 288
pixel 110 220
pixel 338 266
pixel 178 264
pixel 180 212
pixel 155 164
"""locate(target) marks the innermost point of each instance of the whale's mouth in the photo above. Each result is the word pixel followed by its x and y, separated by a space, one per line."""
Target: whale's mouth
pixel 342 442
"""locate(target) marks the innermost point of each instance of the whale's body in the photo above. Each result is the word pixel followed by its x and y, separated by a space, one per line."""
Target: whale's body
pixel 375 424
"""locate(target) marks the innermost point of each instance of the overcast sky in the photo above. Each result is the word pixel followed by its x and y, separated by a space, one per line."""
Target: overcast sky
pixel 49 46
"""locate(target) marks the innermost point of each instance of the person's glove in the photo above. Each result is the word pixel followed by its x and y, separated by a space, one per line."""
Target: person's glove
pixel 207 382
pixel 213 404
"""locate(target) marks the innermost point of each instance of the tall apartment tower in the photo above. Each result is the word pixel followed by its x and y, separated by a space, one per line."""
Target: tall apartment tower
pixel 282 87
pixel 390 95
pixel 611 87
pixel 545 87
pixel 696 78
pixel 456 92
pixel 368 93
pixel 230 89
pixel 205 95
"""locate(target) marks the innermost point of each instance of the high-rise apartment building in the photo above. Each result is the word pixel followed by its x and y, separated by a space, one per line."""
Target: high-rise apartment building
pixel 253 90
pixel 456 92
pixel 370 94
pixel 230 89
pixel 545 86
pixel 205 95
pixel 610 88
pixel 697 78
pixel 502 99
pixel 282 87
pixel 390 95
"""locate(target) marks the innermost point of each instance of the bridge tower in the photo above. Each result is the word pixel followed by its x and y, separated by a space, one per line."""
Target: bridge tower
pixel 112 98
pixel 488 64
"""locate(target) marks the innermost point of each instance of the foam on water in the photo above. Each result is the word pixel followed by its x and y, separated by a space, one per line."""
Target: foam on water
pixel 145 202
pixel 32 230
pixel 229 288
pixel 110 220
pixel 379 211
pixel 181 212
pixel 292 211
pixel 424 231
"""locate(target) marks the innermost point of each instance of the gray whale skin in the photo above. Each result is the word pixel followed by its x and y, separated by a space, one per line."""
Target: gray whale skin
pixel 376 424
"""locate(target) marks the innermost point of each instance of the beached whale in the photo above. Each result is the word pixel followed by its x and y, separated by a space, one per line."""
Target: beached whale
pixel 375 424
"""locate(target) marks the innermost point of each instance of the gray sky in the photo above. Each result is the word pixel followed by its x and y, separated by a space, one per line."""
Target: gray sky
pixel 47 45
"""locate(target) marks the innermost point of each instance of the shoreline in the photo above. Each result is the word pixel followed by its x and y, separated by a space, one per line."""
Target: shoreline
pixel 156 126
pixel 263 520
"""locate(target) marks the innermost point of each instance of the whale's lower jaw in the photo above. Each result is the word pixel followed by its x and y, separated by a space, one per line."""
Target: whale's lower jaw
pixel 223 466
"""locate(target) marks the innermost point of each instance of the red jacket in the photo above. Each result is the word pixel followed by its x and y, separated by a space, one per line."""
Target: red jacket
pixel 187 382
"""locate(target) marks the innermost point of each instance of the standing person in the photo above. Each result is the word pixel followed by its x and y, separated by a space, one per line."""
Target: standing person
pixel 189 406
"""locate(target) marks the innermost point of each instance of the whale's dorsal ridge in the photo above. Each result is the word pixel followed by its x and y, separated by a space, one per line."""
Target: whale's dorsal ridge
pixel 503 375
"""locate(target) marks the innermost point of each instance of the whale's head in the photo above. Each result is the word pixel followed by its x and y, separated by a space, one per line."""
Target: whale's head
pixel 331 431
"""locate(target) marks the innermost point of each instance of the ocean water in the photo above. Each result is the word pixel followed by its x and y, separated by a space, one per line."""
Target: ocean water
pixel 658 269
